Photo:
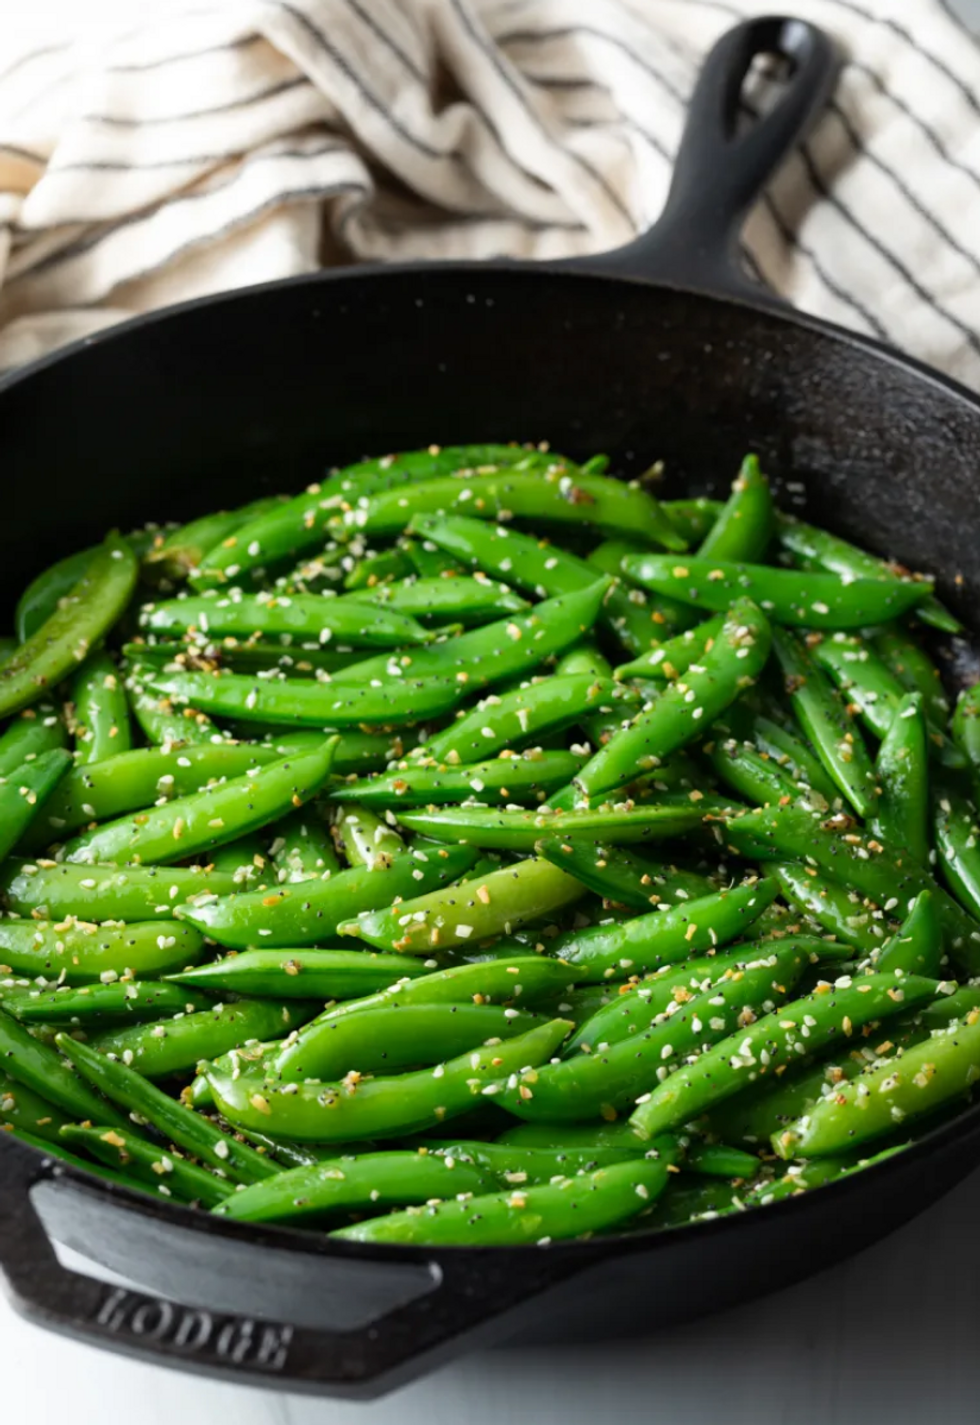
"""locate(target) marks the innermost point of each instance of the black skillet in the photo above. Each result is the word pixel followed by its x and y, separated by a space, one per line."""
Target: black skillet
pixel 671 352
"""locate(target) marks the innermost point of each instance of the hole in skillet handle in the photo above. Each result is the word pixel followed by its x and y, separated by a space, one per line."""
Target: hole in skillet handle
pixel 733 142
pixel 420 1312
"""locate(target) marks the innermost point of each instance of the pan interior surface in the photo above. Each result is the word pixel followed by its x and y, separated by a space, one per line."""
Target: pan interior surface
pixel 177 414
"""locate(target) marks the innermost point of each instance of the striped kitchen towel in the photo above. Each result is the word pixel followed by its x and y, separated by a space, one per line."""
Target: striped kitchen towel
pixel 215 147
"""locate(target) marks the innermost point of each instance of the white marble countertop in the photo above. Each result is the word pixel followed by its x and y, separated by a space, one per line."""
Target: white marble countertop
pixel 888 1338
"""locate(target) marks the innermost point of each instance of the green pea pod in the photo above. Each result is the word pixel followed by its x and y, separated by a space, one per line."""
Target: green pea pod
pixel 613 872
pixel 646 942
pixel 104 892
pixel 174 1045
pixel 682 712
pixel 863 679
pixel 857 862
pixel 514 1166
pixel 27 1061
pixel 474 910
pixel 525 778
pixel 745 525
pixel 803 1027
pixel 132 781
pixel 917 949
pixel 299 702
pixel 274 614
pixel 161 723
pixel 25 791
pixel 101 711
pixel 927 1076
pixel 23 1109
pixel 571 1207
pixel 640 1003
pixel 719 1160
pixel 80 953
pixel 671 659
pixel 81 619
pixel 365 839
pixel 955 829
pixel 380 1107
pixel 532 565
pixel 177 1124
pixel 634 616
pixel 401 1036
pixel 842 913
pixel 827 722
pixel 761 1109
pixel 607 1081
pixel 245 861
pixel 695 518
pixel 755 777
pixel 580 1137
pixel 301 524
pixel 178 554
pixel 366 1183
pixel 778 743
pixel 120 1001
pixel 58 1151
pixel 914 670
pixel 787 596
pixel 556 496
pixel 836 555
pixel 376 570
pixel 43 595
pixel 461 600
pixel 29 735
pixel 302 848
pixel 303 974
pixel 965 726
pixel 501 722
pixel 309 913
pixel 151 1163
pixel 511 648
pixel 902 769
pixel 497 830
pixel 803 1177
pixel 429 561
pixel 191 825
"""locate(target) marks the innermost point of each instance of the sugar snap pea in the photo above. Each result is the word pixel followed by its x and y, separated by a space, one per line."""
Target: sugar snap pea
pixel 915 671
pixel 827 551
pixel 78 952
pixel 831 1013
pixel 827 722
pixel 917 948
pixel 302 847
pixel 57 1150
pixel 44 594
pixel 687 706
pixel 519 830
pixel 844 914
pixel 941 1069
pixel 27 1061
pixel 368 1182
pixel 119 1001
pixel 901 813
pixel 365 839
pixel 645 942
pixel 64 640
pixel 672 658
pixel 273 614
pixel 607 1081
pixel 159 720
pixel 613 872
pixel 176 555
pixel 310 912
pixel 302 974
pixel 380 1107
pixel 100 710
pixel 161 1167
pixel 459 600
pixel 863 678
pixel 811 600
pixel 375 570
pixel 31 733
pixel 177 1124
pixel 23 1109
pixel 59 889
pixel 571 1207
pixel 24 793
pixel 956 827
pixel 471 911
pixel 527 777
pixel 177 1043
pixel 190 825
pixel 745 524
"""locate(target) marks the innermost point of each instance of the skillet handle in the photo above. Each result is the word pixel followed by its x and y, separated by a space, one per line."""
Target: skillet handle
pixel 719 173
pixel 422 1311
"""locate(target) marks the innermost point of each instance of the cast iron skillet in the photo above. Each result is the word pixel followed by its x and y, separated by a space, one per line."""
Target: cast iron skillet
pixel 664 350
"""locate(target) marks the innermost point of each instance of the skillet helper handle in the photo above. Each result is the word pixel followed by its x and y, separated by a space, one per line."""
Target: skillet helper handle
pixel 720 171
pixel 447 1304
